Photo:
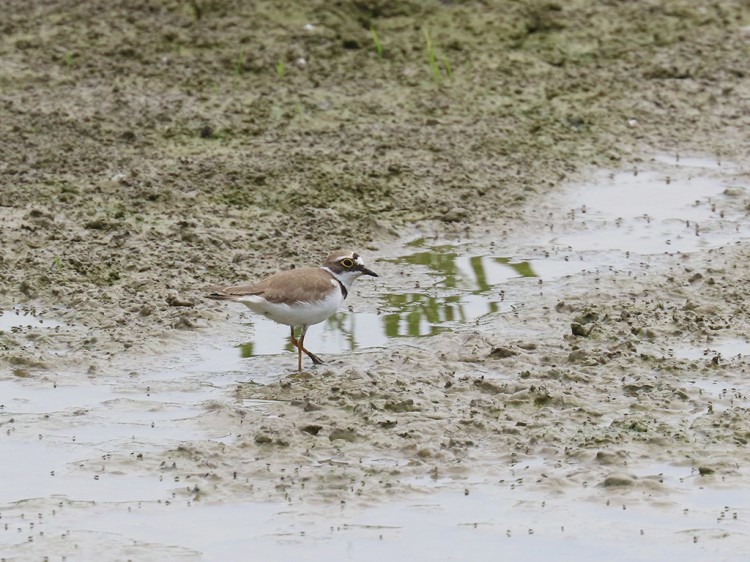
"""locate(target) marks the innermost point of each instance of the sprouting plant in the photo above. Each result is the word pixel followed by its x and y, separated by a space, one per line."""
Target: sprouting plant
pixel 239 64
pixel 432 60
pixel 447 66
pixel 197 9
pixel 57 262
pixel 376 40
pixel 280 68
pixel 432 57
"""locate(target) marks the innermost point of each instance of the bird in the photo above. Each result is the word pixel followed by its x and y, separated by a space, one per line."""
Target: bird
pixel 301 297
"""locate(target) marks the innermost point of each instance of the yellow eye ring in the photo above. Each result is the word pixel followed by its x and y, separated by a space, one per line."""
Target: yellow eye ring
pixel 347 263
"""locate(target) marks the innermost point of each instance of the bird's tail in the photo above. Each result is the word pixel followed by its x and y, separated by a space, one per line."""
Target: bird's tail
pixel 219 296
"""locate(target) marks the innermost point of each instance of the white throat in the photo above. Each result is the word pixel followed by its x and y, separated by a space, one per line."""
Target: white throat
pixel 347 278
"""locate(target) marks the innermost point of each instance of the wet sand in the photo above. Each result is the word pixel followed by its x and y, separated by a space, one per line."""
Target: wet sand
pixel 579 394
pixel 566 222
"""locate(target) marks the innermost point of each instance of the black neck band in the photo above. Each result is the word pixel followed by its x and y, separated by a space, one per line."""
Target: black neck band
pixel 343 289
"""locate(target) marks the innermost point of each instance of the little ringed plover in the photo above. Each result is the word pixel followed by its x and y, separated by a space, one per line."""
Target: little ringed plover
pixel 301 297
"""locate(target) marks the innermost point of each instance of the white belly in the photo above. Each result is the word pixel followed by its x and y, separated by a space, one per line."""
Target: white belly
pixel 299 313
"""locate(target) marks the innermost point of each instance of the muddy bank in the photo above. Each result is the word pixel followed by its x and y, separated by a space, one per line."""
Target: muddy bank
pixel 152 149
pixel 596 380
pixel 591 382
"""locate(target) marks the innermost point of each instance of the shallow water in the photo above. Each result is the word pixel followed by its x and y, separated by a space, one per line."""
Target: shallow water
pixel 461 289
pixel 63 499
pixel 724 348
pixel 21 317
pixel 648 213
pixel 620 221
pixel 522 523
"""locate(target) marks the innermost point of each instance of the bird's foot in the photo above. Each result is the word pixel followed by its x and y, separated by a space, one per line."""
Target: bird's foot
pixel 315 359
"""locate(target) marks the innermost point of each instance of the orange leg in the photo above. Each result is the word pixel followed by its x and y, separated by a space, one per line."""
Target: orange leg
pixel 299 344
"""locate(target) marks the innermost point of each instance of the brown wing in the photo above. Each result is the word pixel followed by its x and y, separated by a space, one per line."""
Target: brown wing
pixel 294 285
pixel 235 292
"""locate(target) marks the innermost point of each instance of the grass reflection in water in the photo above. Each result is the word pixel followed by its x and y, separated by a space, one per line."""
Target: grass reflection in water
pixel 459 288
pixel 462 291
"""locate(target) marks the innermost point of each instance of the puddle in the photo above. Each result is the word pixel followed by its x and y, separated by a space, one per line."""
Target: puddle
pixel 53 432
pixel 451 289
pixel 521 523
pixel 453 269
pixel 21 317
pixel 723 395
pixel 46 470
pixel 698 162
pixel 17 397
pixel 649 213
pixel 727 349
pixel 48 430
pixel 618 222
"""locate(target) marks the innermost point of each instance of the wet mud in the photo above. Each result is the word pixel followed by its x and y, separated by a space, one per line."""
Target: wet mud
pixel 555 197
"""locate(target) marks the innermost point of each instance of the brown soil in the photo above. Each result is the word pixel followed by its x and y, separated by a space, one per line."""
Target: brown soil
pixel 152 148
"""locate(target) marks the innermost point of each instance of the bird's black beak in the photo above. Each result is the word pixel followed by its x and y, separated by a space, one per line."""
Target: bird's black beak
pixel 366 271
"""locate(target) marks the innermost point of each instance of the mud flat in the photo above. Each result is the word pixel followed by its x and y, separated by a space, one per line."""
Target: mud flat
pixel 552 361
pixel 573 383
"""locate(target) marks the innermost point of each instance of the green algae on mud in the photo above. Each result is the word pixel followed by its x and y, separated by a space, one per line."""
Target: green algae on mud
pixel 591 408
pixel 582 380
pixel 155 149
pixel 150 149
pixel 578 395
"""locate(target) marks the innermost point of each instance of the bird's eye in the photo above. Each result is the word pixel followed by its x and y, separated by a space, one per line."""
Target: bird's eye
pixel 347 263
